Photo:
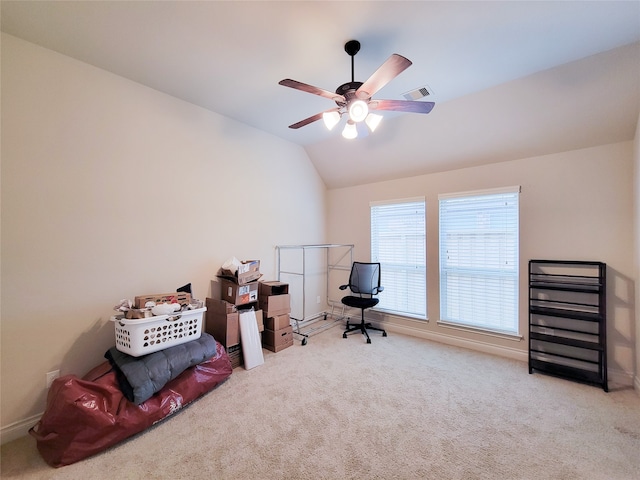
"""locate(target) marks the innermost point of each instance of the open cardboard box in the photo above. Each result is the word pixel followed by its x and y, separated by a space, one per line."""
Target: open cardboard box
pixel 248 271
pixel 278 322
pixel 221 321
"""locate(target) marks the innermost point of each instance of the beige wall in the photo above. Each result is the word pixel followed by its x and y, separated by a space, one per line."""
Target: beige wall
pixel 636 183
pixel 111 190
pixel 573 205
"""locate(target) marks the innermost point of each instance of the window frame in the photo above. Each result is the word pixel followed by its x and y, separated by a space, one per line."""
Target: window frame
pixel 402 270
pixel 508 239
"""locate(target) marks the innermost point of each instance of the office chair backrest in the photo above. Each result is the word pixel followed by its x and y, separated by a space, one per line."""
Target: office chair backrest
pixel 364 278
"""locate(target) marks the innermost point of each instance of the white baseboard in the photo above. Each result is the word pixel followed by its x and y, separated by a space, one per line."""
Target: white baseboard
pixel 18 429
pixel 618 377
pixel 485 347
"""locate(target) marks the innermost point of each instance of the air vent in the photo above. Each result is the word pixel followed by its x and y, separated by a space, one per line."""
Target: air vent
pixel 418 93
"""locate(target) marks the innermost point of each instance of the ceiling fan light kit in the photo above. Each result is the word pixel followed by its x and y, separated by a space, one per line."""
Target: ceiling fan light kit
pixel 358 110
pixel 354 98
pixel 331 119
pixel 350 131
pixel 372 121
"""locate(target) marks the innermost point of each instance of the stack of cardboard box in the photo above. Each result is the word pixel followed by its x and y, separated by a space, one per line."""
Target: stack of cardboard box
pixel 275 302
pixel 241 288
pixel 239 291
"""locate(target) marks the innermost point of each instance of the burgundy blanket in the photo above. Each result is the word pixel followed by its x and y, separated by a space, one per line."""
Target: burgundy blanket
pixel 85 416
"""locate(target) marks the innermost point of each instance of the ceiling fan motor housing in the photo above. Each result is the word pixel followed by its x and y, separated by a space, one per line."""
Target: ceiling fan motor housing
pixel 348 91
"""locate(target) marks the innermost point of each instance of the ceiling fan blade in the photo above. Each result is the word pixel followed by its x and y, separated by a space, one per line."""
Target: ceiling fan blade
pixel 401 106
pixel 312 119
pixel 287 82
pixel 394 66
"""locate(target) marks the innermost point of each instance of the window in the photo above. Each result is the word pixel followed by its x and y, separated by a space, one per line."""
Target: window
pixel 479 259
pixel 398 243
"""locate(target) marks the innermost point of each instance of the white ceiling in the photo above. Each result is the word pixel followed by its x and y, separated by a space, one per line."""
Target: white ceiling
pixel 510 79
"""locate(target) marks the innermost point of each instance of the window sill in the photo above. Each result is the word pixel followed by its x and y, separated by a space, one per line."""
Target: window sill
pixel 482 331
pixel 390 313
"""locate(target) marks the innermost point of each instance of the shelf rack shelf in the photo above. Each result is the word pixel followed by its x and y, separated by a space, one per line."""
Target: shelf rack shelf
pixel 568 320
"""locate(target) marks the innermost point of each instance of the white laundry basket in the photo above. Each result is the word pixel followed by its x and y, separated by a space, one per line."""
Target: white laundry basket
pixel 147 335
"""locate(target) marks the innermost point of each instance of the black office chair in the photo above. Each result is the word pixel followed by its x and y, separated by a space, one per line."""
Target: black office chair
pixel 364 283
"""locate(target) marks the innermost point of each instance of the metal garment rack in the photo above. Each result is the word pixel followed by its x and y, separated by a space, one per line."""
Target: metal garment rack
pixel 306 322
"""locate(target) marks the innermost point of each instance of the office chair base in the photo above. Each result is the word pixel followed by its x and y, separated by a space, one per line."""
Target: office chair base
pixel 362 327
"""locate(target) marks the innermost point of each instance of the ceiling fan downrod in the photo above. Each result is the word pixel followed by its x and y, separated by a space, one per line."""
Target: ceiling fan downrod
pixel 352 47
pixel 348 90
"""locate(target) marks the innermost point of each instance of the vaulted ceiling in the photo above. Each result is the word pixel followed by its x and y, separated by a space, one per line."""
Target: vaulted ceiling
pixel 510 79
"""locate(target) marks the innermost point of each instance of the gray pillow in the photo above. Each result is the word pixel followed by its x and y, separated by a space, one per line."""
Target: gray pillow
pixel 140 377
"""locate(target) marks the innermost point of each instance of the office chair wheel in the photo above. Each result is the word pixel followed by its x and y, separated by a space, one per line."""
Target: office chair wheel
pixel 344 335
pixel 368 340
pixel 384 334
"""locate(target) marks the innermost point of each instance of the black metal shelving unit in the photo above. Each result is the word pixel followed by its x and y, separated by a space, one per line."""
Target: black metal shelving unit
pixel 568 320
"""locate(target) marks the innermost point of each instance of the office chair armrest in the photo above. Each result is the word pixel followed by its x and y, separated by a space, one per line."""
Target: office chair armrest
pixel 343 287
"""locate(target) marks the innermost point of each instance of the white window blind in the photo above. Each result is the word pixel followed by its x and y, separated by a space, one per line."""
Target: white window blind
pixel 479 259
pixel 398 243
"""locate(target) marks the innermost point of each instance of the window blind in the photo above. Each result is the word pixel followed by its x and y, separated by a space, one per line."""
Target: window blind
pixel 398 243
pixel 479 259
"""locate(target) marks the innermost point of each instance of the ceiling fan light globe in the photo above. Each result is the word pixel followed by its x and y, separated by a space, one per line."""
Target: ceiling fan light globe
pixel 350 132
pixel 372 121
pixel 358 110
pixel 331 119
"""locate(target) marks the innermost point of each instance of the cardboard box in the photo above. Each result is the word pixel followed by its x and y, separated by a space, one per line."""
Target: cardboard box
pixel 278 322
pixel 248 271
pixel 238 294
pixel 277 340
pixel 220 306
pixel 182 298
pixel 223 322
pixel 260 321
pixel 235 356
pixel 259 318
pixel 269 288
pixel 275 305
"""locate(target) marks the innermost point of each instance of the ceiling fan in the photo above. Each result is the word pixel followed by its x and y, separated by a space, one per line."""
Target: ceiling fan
pixel 354 98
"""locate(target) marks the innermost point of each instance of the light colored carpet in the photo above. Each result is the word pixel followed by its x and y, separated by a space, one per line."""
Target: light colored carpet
pixel 399 408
